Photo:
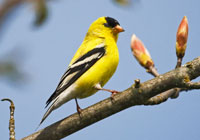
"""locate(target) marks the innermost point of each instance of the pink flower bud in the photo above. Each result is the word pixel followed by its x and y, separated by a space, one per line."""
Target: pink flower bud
pixel 140 52
pixel 181 38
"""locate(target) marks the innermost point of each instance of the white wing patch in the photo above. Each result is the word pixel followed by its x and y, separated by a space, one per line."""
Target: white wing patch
pixel 77 69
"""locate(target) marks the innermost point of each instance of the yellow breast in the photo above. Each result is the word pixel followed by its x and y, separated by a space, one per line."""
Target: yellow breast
pixel 100 72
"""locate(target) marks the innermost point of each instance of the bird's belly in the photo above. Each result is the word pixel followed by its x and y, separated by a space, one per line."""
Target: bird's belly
pixel 100 73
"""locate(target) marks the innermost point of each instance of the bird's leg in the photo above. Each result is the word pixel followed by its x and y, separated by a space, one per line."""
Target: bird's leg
pixel 98 87
pixel 78 107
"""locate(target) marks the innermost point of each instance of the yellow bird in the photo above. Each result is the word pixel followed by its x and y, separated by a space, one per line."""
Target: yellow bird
pixel 91 67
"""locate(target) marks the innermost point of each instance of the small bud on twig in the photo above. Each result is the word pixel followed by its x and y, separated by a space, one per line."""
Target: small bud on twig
pixel 137 83
pixel 181 40
pixel 141 53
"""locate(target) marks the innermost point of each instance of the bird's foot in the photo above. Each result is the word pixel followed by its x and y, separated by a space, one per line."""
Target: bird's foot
pixel 114 92
pixel 98 87
pixel 79 110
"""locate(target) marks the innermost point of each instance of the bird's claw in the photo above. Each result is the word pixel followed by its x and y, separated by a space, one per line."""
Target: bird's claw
pixel 114 92
pixel 79 110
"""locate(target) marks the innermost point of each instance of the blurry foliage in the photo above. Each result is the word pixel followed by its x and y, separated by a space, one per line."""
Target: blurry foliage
pixel 10 64
pixel 41 11
pixel 10 67
pixel 10 8
pixel 127 4
pixel 122 2
pixel 9 70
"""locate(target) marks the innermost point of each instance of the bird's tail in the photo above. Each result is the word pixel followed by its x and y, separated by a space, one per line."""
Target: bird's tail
pixel 57 102
pixel 49 110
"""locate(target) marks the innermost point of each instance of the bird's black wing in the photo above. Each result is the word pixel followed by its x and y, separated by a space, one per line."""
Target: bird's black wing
pixel 78 68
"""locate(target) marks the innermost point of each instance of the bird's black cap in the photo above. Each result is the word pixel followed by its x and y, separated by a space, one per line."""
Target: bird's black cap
pixel 111 22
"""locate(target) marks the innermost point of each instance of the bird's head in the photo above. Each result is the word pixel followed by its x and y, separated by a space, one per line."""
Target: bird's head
pixel 105 26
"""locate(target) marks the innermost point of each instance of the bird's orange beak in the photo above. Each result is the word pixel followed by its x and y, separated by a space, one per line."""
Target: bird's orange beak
pixel 118 29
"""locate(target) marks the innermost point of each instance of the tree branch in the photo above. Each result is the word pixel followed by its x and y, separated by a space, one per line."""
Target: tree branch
pixel 162 97
pixel 128 98
pixel 191 85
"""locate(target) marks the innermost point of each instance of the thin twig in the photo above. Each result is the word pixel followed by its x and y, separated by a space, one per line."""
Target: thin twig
pixel 152 70
pixel 192 85
pixel 12 120
pixel 179 62
pixel 160 98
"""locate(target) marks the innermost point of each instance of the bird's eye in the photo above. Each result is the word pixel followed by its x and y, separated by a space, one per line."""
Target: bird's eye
pixel 106 24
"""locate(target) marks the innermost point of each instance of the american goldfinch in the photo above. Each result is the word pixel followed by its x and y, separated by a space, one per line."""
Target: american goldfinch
pixel 91 67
